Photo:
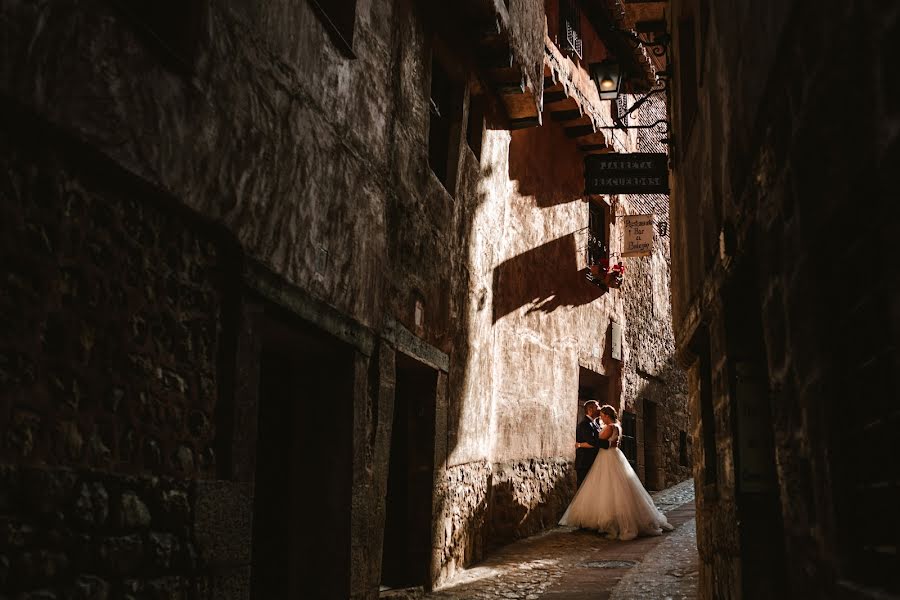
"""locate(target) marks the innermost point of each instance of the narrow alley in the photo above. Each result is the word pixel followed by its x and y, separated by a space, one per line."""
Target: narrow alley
pixel 361 299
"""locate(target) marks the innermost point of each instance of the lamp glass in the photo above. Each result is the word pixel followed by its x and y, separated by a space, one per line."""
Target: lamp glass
pixel 607 78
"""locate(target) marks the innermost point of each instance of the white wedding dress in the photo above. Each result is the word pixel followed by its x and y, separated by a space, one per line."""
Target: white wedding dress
pixel 612 499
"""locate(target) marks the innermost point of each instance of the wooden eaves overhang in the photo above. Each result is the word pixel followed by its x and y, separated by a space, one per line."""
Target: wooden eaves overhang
pixel 503 48
pixel 571 99
pixel 613 20
pixel 570 96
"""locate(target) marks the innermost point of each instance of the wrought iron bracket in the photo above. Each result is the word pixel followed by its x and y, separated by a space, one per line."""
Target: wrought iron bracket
pixel 660 46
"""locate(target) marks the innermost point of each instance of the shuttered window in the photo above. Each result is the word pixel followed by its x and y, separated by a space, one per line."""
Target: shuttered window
pixel 570 28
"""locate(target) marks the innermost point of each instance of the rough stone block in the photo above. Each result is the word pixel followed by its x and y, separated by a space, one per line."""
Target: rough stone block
pixel 47 490
pixel 121 555
pixel 91 505
pixel 89 587
pixel 174 509
pixel 132 512
pixel 164 550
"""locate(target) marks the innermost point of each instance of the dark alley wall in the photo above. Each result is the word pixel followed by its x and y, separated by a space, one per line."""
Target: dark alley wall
pixel 780 188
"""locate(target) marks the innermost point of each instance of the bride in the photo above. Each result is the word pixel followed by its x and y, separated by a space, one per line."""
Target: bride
pixel 612 498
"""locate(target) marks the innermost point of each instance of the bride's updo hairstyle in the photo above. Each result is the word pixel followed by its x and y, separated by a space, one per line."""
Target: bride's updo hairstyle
pixel 610 412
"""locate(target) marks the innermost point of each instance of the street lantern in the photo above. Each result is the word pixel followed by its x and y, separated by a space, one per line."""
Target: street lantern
pixel 607 78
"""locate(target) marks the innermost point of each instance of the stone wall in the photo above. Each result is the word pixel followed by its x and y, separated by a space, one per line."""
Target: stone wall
pixel 112 313
pixel 113 321
pixel 464 495
pixel 788 356
pixel 90 534
pixel 528 497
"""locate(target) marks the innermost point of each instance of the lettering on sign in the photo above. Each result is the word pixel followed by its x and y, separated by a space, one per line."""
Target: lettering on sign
pixel 639 235
pixel 639 173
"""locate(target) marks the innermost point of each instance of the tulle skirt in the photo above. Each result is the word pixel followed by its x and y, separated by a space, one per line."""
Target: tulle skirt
pixel 612 499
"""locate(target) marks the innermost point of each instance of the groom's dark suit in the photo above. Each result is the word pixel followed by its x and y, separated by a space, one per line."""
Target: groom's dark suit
pixel 587 431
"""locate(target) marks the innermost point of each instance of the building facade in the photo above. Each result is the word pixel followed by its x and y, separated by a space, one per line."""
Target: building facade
pixel 784 293
pixel 295 296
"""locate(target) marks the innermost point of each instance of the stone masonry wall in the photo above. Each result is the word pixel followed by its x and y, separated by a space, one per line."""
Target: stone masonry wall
pixel 465 492
pixel 528 496
pixel 112 323
pixel 770 218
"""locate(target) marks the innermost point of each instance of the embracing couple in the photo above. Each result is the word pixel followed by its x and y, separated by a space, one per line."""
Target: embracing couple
pixel 610 497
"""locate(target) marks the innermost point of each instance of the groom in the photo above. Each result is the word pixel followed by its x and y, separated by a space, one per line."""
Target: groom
pixel 587 440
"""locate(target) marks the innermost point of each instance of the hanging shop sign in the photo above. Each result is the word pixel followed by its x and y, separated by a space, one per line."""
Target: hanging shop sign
pixel 642 173
pixel 638 235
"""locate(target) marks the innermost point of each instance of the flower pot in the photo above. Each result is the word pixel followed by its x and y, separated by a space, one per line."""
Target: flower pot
pixel 614 280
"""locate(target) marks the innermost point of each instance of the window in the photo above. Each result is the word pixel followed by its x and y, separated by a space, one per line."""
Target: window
pixel 445 102
pixel 598 251
pixel 475 128
pixel 628 443
pixel 570 27
pixel 339 17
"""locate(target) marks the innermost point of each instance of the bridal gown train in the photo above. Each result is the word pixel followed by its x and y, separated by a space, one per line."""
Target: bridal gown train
pixel 612 499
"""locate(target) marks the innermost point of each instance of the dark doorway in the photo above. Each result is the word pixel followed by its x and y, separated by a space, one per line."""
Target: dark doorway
pixel 651 447
pixel 406 558
pixel 591 386
pixel 301 520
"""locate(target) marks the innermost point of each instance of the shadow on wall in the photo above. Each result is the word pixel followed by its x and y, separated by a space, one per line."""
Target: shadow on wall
pixel 511 518
pixel 551 178
pixel 546 276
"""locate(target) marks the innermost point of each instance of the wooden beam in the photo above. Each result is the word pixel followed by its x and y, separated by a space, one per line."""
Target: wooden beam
pixel 524 123
pixel 566 115
pixel 492 30
pixel 580 131
pixel 510 87
pixel 598 148
pixel 552 97
pixel 496 58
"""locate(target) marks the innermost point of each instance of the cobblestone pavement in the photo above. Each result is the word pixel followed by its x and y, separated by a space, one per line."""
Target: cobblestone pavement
pixel 668 572
pixel 569 564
